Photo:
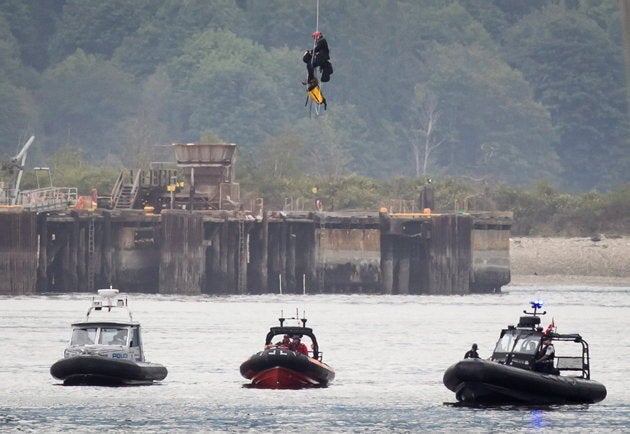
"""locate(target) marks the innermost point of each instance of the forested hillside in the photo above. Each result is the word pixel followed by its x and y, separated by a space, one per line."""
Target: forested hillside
pixel 507 91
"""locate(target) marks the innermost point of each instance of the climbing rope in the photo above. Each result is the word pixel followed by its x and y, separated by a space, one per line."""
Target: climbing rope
pixel 321 86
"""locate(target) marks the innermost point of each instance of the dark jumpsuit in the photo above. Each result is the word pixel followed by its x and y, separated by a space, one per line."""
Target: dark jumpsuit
pixel 321 55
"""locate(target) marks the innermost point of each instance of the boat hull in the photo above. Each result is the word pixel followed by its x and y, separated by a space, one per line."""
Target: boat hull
pixel 96 370
pixel 478 381
pixel 285 369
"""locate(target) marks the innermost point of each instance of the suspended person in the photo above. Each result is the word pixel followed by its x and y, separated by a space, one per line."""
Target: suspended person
pixel 318 57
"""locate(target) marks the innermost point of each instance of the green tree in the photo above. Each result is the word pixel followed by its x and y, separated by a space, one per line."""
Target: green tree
pixel 493 126
pixel 232 86
pixel 84 100
pixel 32 22
pixel 577 72
pixel 96 27
pixel 145 133
pixel 69 168
pixel 16 113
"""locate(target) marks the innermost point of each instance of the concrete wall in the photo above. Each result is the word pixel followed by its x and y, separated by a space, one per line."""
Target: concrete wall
pixel 348 260
pixel 182 257
pixel 490 242
pixel 222 252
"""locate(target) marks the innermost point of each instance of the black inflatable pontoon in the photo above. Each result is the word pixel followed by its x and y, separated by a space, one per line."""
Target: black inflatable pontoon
pixel 106 348
pixel 512 376
pixel 280 367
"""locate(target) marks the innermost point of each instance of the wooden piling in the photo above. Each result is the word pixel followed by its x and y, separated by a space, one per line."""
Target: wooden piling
pixel 222 283
pixel 282 256
pixel 42 269
pixel 264 259
pixel 403 266
pixel 387 263
pixel 182 257
pixel 232 255
pixel 243 254
pixel 213 281
pixel 310 259
pixel 291 277
pixel 18 252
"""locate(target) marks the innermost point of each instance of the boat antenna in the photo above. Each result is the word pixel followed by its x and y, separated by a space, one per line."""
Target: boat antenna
pixel 303 319
pixel 282 318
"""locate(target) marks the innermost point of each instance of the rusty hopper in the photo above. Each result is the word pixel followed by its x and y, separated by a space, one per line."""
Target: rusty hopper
pixel 207 168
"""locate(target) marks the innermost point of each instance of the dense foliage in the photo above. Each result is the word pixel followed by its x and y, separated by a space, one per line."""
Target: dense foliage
pixel 516 91
pixel 540 210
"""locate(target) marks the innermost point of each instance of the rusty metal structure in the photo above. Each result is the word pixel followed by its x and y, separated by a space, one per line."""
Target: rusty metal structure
pixel 202 178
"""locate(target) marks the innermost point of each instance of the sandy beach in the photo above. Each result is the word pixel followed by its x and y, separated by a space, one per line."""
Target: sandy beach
pixel 570 261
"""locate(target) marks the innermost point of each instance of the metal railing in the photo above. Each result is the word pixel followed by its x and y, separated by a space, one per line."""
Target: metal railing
pixel 48 199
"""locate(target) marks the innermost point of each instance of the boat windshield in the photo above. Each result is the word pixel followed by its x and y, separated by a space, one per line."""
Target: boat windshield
pixel 113 336
pixel 505 344
pixel 527 345
pixel 83 336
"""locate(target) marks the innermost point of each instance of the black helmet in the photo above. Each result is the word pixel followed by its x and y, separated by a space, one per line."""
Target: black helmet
pixel 474 346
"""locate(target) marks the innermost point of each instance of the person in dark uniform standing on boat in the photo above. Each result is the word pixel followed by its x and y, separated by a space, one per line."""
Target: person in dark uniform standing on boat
pixel 544 362
pixel 472 353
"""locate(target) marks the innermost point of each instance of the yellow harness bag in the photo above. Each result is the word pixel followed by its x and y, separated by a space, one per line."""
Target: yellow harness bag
pixel 315 94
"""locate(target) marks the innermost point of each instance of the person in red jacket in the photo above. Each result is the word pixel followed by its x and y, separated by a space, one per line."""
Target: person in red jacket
pixel 297 345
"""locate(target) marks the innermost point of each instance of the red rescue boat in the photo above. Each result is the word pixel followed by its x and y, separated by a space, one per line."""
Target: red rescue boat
pixel 288 364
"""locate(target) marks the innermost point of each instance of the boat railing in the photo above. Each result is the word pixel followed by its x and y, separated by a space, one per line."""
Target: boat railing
pixel 564 363
pixel 317 356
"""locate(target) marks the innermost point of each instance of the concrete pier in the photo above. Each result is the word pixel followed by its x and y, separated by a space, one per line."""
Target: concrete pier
pixel 233 252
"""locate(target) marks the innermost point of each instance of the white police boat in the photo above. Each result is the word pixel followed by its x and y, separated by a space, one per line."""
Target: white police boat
pixel 106 347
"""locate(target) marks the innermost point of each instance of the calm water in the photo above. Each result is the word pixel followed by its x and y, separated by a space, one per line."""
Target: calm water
pixel 389 353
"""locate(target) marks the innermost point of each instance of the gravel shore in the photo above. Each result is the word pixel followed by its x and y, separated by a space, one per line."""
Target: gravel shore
pixel 601 260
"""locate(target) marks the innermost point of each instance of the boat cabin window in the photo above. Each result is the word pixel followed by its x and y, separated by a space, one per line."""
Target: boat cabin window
pixel 83 336
pixel 527 345
pixel 287 342
pixel 505 344
pixel 135 337
pixel 113 336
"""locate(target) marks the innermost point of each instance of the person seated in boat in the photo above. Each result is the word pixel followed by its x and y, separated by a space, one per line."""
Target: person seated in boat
pixel 544 362
pixel 297 345
pixel 120 338
pixel 285 342
pixel 83 336
pixel 472 353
